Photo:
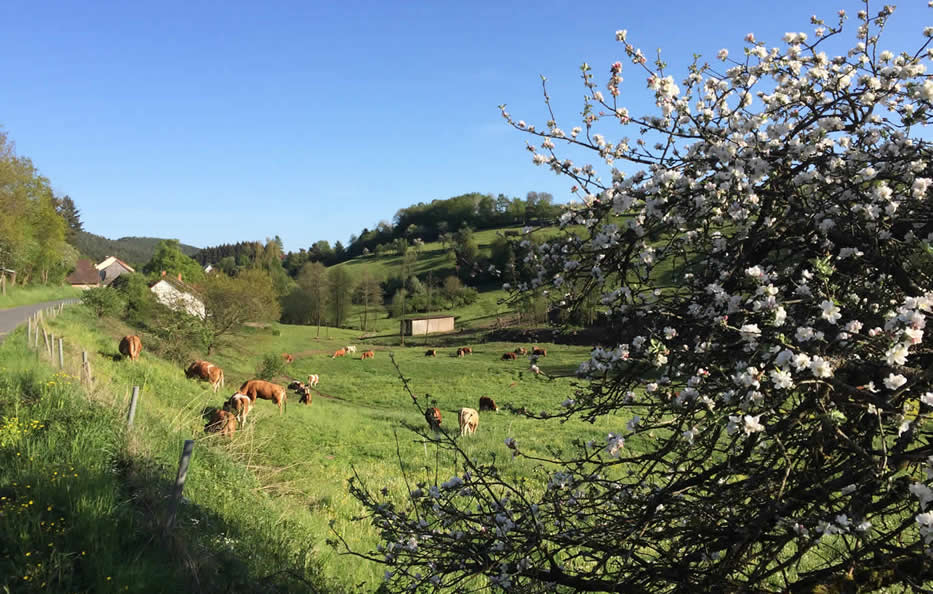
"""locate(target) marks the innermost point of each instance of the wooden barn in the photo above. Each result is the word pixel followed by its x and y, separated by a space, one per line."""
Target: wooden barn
pixel 418 326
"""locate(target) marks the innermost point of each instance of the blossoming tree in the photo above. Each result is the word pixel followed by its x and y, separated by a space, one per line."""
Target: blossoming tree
pixel 766 278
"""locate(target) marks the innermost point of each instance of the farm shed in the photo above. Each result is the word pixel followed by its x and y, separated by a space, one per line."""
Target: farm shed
pixel 84 276
pixel 427 325
pixel 111 268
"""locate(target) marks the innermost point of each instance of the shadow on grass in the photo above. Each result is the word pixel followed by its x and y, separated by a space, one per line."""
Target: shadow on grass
pixel 217 553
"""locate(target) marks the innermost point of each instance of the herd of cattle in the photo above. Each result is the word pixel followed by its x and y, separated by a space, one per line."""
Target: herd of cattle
pixel 234 411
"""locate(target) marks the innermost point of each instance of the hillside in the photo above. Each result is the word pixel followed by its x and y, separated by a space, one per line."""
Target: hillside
pixel 278 487
pixel 135 251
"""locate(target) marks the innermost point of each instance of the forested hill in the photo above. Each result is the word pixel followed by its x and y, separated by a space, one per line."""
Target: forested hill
pixel 135 251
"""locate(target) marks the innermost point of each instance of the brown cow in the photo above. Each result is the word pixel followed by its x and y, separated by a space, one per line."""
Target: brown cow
pixel 508 356
pixel 521 351
pixel 222 422
pixel 239 405
pixel 288 358
pixel 339 353
pixel 538 352
pixel 487 403
pixel 469 419
pixel 430 353
pixel 313 379
pixel 131 346
pixel 207 372
pixel 368 355
pixel 464 351
pixel 433 417
pixel 265 390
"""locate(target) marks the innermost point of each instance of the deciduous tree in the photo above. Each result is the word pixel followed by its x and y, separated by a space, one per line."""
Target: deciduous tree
pixel 767 278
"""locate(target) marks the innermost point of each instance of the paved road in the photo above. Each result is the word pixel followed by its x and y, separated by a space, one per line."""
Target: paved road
pixel 13 317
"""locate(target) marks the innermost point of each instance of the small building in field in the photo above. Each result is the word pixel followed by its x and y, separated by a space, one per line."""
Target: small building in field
pixel 178 295
pixel 417 326
pixel 111 268
pixel 84 276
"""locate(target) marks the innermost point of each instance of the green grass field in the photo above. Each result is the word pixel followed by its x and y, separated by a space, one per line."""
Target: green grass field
pixel 263 502
pixel 16 296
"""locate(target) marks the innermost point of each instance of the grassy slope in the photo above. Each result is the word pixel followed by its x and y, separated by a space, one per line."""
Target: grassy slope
pixel 275 487
pixel 16 296
pixel 435 259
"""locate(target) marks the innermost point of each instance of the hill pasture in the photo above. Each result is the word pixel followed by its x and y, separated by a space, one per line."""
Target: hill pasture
pixel 280 482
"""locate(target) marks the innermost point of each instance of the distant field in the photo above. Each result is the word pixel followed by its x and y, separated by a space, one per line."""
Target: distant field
pixel 433 258
pixel 297 464
pixel 16 296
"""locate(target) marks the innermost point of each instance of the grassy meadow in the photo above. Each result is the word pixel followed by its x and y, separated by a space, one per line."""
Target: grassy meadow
pixel 260 505
pixel 17 295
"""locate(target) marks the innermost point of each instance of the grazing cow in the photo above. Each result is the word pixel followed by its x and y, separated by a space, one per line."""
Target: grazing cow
pixel 339 353
pixel 304 395
pixel 206 371
pixel 368 355
pixel 509 356
pixel 288 358
pixel 535 369
pixel 265 390
pixel 464 351
pixel 521 351
pixel 469 419
pixel 350 349
pixel 313 379
pixel 131 346
pixel 295 385
pixel 487 403
pixel 239 405
pixel 538 352
pixel 433 417
pixel 222 422
pixel 430 353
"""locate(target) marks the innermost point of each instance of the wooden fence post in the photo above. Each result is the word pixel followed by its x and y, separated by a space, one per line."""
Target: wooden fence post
pixel 132 413
pixel 28 331
pixel 35 339
pixel 51 347
pixel 179 482
pixel 61 353
pixel 85 368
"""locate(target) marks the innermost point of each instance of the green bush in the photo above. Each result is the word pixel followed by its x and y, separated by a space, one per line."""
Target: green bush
pixel 272 364
pixel 103 301
pixel 140 301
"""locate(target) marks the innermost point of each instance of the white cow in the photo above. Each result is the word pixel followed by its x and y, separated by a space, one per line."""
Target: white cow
pixel 351 349
pixel 469 419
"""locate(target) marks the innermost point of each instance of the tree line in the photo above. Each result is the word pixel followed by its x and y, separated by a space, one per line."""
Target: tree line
pixel 35 224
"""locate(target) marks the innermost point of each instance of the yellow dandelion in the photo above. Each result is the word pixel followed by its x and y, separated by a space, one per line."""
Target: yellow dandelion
pixel 108 578
pixel 28 553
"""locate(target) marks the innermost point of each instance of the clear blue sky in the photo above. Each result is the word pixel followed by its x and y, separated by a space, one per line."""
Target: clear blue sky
pixel 217 122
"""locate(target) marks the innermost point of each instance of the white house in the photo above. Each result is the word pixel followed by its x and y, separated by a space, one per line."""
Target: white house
pixel 174 293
